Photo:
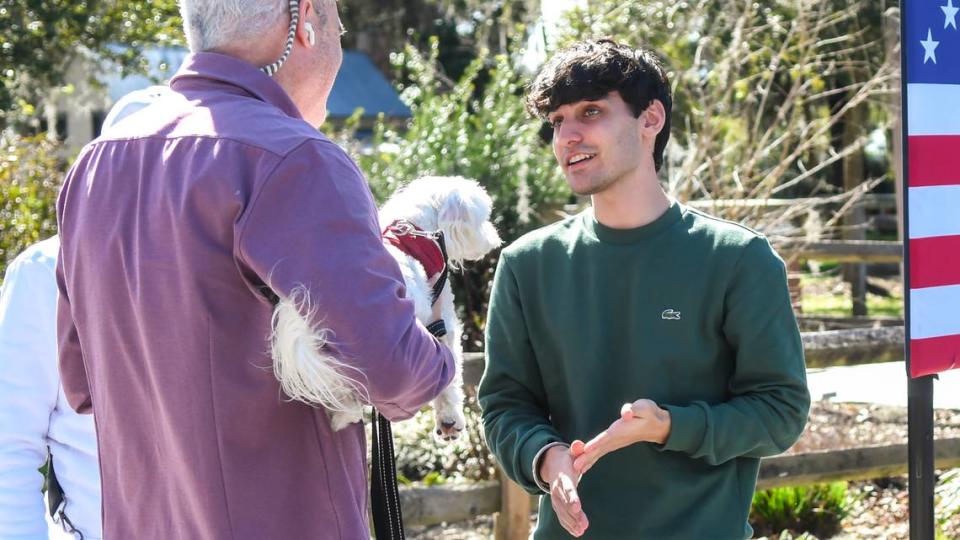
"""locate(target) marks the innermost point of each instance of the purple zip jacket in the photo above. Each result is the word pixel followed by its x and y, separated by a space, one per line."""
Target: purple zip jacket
pixel 174 228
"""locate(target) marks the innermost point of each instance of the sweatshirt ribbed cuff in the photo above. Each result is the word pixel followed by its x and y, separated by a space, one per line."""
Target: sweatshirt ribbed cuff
pixel 687 428
pixel 528 455
pixel 544 487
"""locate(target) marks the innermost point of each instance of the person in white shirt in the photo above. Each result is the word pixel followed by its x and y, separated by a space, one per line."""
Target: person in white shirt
pixel 34 414
pixel 36 422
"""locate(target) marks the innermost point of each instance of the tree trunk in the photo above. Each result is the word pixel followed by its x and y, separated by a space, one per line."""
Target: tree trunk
pixel 855 221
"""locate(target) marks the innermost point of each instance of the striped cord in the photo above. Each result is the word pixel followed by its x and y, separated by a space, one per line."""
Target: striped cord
pixel 270 69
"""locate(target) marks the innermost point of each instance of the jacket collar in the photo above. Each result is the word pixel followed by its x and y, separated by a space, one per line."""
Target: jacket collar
pixel 222 68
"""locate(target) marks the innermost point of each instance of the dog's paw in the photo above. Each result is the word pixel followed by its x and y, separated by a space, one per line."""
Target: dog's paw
pixel 450 422
pixel 340 420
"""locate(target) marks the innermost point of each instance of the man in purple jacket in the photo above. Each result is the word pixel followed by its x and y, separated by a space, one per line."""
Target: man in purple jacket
pixel 177 228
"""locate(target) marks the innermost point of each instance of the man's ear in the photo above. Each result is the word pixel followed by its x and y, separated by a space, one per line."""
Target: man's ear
pixel 306 13
pixel 653 118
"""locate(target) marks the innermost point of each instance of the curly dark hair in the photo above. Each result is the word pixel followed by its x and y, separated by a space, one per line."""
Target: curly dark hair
pixel 589 70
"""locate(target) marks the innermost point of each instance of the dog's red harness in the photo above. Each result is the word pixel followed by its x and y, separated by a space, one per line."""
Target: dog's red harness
pixel 426 247
pixel 422 246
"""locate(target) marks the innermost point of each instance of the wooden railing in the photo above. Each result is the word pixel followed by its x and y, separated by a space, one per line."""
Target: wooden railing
pixel 857 251
pixel 460 502
pixel 872 201
pixel 854 252
pixel 822 348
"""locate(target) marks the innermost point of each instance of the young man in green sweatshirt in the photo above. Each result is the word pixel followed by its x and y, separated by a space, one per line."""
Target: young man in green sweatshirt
pixel 662 336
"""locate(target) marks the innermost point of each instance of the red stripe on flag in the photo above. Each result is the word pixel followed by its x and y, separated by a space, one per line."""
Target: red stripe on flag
pixel 934 261
pixel 933 355
pixel 934 160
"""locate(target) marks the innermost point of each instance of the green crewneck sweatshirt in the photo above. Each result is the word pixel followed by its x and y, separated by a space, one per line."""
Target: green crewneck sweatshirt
pixel 689 311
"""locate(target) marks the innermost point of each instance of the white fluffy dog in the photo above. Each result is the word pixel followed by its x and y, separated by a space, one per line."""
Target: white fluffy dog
pixel 455 206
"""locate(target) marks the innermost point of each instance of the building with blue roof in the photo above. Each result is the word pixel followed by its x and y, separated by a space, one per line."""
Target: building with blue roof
pixel 359 85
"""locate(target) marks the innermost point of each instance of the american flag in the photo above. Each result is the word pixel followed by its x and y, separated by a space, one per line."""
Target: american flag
pixel 931 54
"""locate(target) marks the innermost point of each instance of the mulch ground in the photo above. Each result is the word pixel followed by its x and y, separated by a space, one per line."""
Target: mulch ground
pixel 879 507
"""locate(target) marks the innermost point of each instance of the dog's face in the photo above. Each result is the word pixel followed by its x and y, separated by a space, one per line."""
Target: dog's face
pixel 464 218
pixel 457 206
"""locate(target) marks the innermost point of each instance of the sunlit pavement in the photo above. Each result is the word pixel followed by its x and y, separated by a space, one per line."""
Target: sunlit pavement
pixel 884 383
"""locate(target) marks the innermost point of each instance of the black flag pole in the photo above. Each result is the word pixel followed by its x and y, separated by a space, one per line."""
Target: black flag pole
pixel 920 453
pixel 920 456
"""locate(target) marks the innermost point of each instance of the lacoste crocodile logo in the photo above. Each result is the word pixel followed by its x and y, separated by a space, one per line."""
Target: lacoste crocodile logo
pixel 670 315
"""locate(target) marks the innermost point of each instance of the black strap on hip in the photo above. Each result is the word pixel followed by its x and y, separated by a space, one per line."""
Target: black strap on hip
pixel 384 494
pixel 56 500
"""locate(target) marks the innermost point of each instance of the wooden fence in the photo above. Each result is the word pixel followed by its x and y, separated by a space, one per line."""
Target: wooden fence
pixel 458 502
pixel 854 252
pixel 870 201
pixel 831 347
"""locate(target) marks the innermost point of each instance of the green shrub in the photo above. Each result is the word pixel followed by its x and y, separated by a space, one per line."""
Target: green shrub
pixel 478 129
pixel 31 171
pixel 421 458
pixel 948 496
pixel 817 510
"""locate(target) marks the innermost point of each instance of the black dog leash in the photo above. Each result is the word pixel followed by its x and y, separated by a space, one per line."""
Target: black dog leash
pixel 384 490
pixel 384 493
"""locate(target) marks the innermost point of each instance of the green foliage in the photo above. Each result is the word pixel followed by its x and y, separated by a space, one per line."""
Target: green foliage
pixel 487 137
pixel 817 510
pixel 31 170
pixel 462 27
pixel 948 496
pixel 841 305
pixel 480 133
pixel 838 303
pixel 40 38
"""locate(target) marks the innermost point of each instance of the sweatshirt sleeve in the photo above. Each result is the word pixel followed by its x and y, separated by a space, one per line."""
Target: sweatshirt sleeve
pixel 28 395
pixel 769 401
pixel 313 224
pixel 516 417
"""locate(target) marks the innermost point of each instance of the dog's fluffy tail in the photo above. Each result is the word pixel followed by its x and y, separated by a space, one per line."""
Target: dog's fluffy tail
pixel 305 372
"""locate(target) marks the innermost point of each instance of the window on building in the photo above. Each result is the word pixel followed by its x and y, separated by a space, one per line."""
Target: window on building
pixel 61 126
pixel 96 118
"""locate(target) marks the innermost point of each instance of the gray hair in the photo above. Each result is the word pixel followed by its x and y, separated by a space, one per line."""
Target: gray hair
pixel 210 24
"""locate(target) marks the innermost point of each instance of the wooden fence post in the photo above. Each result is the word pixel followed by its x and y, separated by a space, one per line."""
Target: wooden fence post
pixel 513 521
pixel 794 271
pixel 855 221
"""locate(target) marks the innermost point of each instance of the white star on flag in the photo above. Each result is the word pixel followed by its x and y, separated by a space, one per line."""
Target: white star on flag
pixel 949 15
pixel 929 46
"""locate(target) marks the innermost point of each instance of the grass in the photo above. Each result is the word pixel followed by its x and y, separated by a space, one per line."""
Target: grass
pixel 824 302
pixel 842 306
pixel 816 510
